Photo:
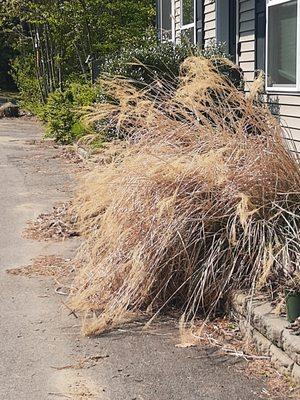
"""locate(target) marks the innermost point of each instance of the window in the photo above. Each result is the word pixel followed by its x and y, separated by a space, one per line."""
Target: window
pixel 188 20
pixel 226 26
pixel 165 20
pixel 282 45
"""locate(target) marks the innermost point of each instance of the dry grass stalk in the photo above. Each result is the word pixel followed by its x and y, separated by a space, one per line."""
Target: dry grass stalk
pixel 205 200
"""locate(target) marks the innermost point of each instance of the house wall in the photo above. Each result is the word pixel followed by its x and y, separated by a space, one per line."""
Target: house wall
pixel 209 20
pixel 286 106
pixel 177 19
pixel 246 39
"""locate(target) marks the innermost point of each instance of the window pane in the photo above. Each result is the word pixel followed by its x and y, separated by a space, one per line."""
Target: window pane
pixel 187 12
pixel 166 19
pixel 282 45
pixel 188 35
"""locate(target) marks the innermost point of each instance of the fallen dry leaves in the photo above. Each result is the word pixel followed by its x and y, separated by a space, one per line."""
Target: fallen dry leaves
pixel 49 266
pixel 58 224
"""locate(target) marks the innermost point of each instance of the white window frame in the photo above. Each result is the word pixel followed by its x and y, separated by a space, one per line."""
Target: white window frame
pixel 282 88
pixel 188 26
pixel 173 38
pixel 173 22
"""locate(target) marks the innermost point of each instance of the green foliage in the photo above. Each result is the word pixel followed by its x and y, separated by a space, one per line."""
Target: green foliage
pixel 6 55
pixel 30 91
pixel 61 112
pixel 59 116
pixel 151 60
pixel 83 94
pixel 53 39
pixel 78 130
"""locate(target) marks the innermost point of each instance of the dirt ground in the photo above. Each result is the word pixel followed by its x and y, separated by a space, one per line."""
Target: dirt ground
pixel 42 353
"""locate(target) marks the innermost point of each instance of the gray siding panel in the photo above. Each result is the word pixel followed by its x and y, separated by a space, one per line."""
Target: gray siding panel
pixel 292 137
pixel 209 21
pixel 246 33
pixel 284 99
pixel 177 20
pixel 285 105
pixel 246 5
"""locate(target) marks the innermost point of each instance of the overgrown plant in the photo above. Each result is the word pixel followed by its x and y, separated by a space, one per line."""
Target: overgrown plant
pixel 61 113
pixel 149 65
pixel 203 200
pixel 152 60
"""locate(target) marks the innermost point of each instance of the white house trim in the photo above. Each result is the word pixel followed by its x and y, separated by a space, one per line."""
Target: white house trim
pixel 185 27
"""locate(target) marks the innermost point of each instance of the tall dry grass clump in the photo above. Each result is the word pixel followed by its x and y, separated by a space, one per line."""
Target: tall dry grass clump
pixel 203 200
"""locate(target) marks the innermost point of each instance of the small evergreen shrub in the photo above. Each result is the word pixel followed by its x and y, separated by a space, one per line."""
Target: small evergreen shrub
pixel 152 60
pixel 61 112
pixel 59 116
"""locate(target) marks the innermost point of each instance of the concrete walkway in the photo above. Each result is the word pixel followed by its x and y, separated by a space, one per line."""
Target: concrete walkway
pixel 38 336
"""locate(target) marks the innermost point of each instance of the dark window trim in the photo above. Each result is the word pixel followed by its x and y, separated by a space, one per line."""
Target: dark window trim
pixel 232 45
pixel 260 32
pixel 200 21
pixel 158 19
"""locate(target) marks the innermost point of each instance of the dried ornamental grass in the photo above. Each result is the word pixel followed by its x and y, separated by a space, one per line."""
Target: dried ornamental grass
pixel 204 200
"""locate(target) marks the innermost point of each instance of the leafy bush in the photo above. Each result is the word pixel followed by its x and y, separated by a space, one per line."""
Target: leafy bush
pixel 155 62
pixel 83 94
pixel 31 97
pixel 59 116
pixel 61 112
pixel 152 60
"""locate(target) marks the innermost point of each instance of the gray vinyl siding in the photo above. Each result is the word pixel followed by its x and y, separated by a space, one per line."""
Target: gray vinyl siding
pixel 246 38
pixel 209 21
pixel 285 106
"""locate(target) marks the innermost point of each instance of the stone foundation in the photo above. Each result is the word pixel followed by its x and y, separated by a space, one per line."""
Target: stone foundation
pixel 269 334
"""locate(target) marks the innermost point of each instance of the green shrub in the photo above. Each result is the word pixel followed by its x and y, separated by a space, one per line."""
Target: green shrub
pixel 152 60
pixel 59 116
pixel 61 112
pixel 31 97
pixel 77 130
pixel 83 94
